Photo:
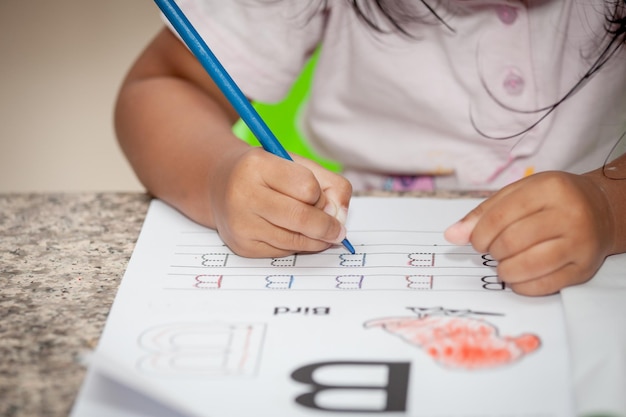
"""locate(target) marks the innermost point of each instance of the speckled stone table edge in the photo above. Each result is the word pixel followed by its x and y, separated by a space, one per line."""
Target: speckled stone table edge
pixel 62 257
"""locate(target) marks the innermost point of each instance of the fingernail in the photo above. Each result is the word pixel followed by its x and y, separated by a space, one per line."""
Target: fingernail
pixel 340 214
pixel 342 234
pixel 458 233
pixel 330 209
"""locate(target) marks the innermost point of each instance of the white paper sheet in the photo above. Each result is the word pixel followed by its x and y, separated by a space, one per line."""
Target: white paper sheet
pixel 596 322
pixel 410 325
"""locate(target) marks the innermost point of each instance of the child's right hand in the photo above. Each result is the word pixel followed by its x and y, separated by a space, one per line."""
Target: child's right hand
pixel 175 126
pixel 266 206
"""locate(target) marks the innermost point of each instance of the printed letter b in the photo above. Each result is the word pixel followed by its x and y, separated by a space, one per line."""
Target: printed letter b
pixel 395 388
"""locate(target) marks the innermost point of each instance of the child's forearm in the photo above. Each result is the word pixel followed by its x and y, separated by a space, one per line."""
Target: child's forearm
pixel 615 192
pixel 172 131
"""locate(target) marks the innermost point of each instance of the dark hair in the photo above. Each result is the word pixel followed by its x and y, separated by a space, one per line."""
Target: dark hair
pixel 397 13
pixel 401 13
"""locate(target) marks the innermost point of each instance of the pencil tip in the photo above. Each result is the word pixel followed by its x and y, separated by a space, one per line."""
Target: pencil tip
pixel 348 246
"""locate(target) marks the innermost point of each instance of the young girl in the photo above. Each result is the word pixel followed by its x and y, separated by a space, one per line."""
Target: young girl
pixel 522 96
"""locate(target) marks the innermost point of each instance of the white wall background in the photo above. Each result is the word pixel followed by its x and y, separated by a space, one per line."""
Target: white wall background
pixel 61 64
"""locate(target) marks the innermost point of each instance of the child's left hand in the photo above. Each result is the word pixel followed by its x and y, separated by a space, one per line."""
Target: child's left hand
pixel 546 231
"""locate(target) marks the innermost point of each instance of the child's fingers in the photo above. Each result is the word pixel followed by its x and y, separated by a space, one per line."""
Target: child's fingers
pixel 301 204
pixel 273 245
pixel 301 220
pixel 537 261
pixel 336 189
pixel 290 178
pixel 289 241
pixel 338 200
pixel 271 241
pixel 270 226
pixel 547 284
pixel 519 236
pixel 460 233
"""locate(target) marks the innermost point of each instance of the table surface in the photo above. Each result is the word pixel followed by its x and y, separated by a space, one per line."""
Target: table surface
pixel 62 257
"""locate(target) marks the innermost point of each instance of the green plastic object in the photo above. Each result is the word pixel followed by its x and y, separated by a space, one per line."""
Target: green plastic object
pixel 281 119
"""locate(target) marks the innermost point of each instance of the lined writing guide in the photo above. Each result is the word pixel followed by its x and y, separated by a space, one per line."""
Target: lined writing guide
pixel 408 326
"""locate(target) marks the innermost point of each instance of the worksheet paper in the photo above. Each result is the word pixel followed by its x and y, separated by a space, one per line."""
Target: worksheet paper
pixel 408 326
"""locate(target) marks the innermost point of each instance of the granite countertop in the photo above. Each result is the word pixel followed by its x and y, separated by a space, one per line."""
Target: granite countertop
pixel 62 257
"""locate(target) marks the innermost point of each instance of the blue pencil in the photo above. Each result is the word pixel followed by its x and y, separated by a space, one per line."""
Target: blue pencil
pixel 227 85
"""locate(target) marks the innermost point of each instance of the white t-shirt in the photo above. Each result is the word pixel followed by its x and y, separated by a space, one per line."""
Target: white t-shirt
pixel 441 102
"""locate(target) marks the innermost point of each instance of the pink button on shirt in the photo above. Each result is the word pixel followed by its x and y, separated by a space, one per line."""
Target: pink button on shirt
pixel 513 82
pixel 507 14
